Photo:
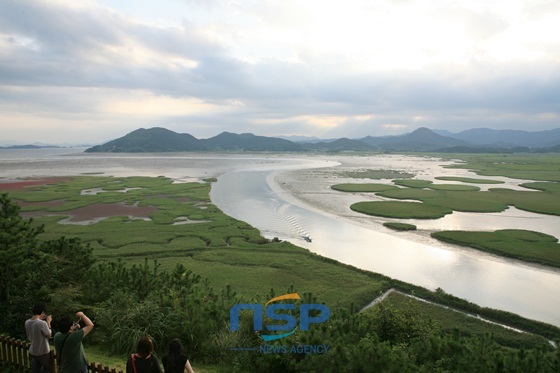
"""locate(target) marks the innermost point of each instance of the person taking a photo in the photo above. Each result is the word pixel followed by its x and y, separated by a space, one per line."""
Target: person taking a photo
pixel 68 343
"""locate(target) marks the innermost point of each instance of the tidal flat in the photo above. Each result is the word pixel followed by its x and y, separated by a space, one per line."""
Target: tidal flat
pixel 290 197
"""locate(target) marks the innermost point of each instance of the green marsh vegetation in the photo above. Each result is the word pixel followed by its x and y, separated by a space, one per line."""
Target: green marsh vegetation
pixel 466 198
pixel 181 291
pixel 469 180
pixel 376 174
pixel 400 226
pixel 363 188
pixel 212 244
pixel 538 167
pixel 403 210
pixel 437 200
pixel 166 280
pixel 519 244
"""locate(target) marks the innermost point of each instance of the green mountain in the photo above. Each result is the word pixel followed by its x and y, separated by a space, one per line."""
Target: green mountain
pixel 507 138
pixel 249 142
pixel 341 145
pixel 423 139
pixel 151 140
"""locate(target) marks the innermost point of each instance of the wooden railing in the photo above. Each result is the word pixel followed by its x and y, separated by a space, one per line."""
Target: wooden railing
pixel 15 354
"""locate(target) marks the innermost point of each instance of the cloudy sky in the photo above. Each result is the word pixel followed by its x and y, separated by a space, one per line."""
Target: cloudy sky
pixel 92 70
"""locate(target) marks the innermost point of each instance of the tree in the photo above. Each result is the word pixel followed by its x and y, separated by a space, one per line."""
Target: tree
pixel 18 242
pixel 34 271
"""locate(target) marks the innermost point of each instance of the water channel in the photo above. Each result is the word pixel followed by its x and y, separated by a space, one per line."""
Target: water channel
pixel 289 197
pixel 266 199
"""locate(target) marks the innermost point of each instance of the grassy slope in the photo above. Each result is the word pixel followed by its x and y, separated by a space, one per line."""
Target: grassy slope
pixel 449 320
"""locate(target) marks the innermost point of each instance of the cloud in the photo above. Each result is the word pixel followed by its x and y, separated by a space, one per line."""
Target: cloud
pixel 327 69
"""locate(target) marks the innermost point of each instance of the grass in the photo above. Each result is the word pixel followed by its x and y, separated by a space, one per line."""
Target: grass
pixel 414 183
pixel 377 174
pixel 400 226
pixel 543 186
pixel 217 247
pixel 441 199
pixel 449 320
pixel 364 188
pixel 544 199
pixel 99 356
pixel 454 187
pixel 254 271
pixel 519 244
pixel 469 180
pixel 538 167
pixel 401 210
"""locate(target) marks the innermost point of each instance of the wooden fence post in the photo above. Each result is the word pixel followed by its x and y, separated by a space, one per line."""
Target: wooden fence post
pixel 3 349
pixel 52 359
pixel 22 354
pixel 10 351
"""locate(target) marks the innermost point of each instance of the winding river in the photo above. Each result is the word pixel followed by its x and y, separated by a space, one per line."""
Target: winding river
pixel 289 197
pixel 263 198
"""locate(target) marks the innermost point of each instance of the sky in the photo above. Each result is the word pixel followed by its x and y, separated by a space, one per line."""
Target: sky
pixel 89 71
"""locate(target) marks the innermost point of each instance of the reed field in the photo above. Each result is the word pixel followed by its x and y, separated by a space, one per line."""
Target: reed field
pixel 136 220
pixel 514 243
pixel 184 227
pixel 541 174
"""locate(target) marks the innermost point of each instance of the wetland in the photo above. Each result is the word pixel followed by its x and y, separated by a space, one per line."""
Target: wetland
pixel 290 197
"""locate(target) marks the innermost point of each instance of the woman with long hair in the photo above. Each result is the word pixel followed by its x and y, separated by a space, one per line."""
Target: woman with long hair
pixel 176 361
pixel 144 360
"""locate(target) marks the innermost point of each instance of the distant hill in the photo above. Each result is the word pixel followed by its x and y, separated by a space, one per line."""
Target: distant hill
pixel 248 142
pixel 423 139
pixel 507 138
pixel 31 146
pixel 341 145
pixel 151 140
pixel 163 140
pixel 302 139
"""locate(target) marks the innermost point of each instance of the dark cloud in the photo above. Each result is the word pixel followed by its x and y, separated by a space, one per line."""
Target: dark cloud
pixel 63 59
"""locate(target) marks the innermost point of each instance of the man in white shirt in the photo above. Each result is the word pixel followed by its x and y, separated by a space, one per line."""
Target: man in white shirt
pixel 38 330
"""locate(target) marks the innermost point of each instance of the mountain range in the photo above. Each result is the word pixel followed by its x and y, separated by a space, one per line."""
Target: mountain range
pixel 481 140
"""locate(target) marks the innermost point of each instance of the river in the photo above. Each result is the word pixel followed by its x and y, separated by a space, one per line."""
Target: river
pixel 289 197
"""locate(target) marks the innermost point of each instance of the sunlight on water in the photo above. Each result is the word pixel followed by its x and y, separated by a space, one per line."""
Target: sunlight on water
pixel 529 290
pixel 263 191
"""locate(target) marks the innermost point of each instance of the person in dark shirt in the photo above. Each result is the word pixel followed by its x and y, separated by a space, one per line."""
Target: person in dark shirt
pixel 68 343
pixel 144 360
pixel 176 361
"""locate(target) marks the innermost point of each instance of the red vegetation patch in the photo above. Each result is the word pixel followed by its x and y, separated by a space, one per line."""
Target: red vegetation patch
pixel 20 184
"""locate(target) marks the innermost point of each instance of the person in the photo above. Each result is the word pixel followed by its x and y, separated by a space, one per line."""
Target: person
pixel 68 343
pixel 38 330
pixel 176 361
pixel 144 360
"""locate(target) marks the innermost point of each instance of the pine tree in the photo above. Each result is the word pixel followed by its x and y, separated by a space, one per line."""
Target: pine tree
pixel 18 242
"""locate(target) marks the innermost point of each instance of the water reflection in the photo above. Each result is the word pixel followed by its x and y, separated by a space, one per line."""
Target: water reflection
pixel 289 208
pixel 528 290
